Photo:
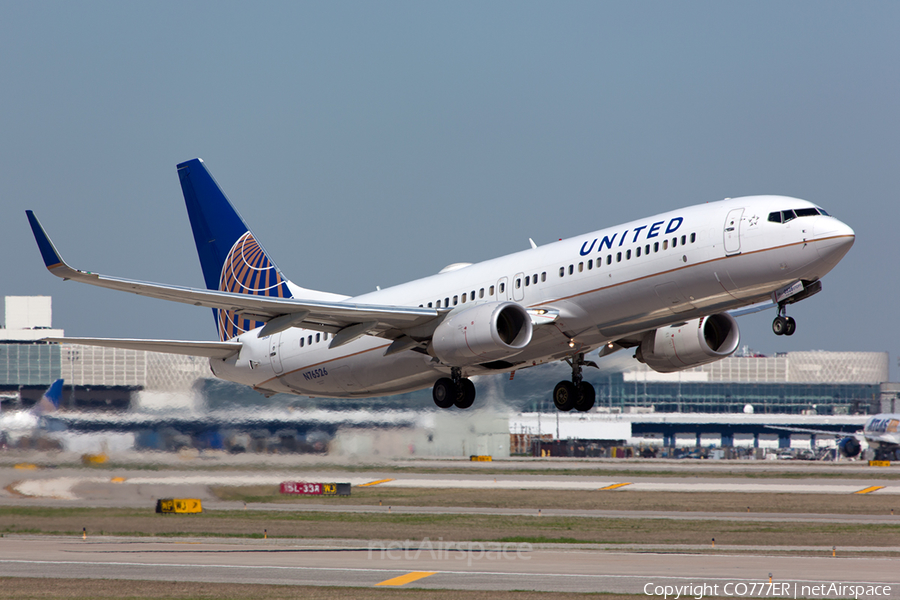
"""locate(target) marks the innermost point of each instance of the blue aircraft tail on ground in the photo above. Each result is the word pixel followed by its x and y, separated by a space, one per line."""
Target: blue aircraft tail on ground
pixel 49 402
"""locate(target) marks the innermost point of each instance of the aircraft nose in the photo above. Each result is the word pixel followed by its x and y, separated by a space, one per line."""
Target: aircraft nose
pixel 833 239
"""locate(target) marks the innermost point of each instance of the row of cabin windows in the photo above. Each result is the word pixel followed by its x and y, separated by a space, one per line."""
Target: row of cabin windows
pixel 646 249
pixel 309 339
pixel 470 296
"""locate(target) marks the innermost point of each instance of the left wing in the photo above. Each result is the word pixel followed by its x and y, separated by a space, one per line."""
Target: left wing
pixel 346 321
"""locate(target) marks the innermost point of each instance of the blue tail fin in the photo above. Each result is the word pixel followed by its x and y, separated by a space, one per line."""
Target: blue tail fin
pixel 231 258
pixel 49 402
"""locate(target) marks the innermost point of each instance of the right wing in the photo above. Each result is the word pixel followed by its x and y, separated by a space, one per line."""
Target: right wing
pixel 207 349
pixel 279 314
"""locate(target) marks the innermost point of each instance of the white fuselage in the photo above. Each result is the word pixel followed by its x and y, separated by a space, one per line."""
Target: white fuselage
pixel 606 286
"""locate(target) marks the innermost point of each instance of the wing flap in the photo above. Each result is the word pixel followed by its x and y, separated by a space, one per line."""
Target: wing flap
pixel 207 349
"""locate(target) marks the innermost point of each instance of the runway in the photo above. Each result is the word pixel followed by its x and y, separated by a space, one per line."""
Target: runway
pixel 425 564
pixel 73 484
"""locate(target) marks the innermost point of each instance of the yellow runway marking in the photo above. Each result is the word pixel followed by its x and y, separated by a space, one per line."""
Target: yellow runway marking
pixel 409 577
pixel 869 490
pixel 374 483
pixel 614 486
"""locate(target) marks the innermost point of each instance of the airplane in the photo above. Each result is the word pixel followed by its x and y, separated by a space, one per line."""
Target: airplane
pixel 881 434
pixel 667 286
pixel 16 424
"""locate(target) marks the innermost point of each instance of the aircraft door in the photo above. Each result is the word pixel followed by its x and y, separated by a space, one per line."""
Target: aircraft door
pixel 275 353
pixel 518 287
pixel 503 289
pixel 733 231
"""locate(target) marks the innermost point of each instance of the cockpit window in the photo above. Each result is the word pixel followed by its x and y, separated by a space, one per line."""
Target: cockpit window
pixel 783 216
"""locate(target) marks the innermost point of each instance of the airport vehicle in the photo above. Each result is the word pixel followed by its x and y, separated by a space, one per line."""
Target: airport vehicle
pixel 663 286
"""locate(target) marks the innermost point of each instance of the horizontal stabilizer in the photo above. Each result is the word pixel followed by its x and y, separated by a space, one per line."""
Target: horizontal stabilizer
pixel 207 349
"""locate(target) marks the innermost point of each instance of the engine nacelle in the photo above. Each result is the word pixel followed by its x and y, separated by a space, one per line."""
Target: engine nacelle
pixel 690 344
pixel 850 447
pixel 482 333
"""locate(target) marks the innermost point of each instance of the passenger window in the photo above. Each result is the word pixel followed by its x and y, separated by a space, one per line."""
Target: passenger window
pixel 518 282
pixel 502 287
pixel 438 304
pixel 302 340
pixel 562 271
pixel 618 257
pixel 656 246
pixel 674 242
pixel 590 264
pixel 534 278
pixel 693 237
pixel 647 249
pixel 481 293
pixel 309 341
pixel 464 298
pixel 325 336
pixel 637 251
pixel 571 269
pixel 544 276
pixel 628 255
pixel 472 294
pixel 455 300
pixel 429 305
pixel 581 267
pixel 491 291
pixel 683 240
pixel 527 280
pixel 665 244
pixel 447 302
pixel 609 259
pixel 317 337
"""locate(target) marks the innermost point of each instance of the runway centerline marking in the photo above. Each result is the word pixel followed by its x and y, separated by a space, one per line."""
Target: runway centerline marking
pixel 614 486
pixel 869 490
pixel 408 578
pixel 374 482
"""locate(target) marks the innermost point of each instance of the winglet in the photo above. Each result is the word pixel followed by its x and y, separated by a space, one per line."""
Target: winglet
pixel 51 256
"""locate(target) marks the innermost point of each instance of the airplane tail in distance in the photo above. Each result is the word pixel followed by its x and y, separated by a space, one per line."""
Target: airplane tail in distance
pixel 230 256
pixel 49 402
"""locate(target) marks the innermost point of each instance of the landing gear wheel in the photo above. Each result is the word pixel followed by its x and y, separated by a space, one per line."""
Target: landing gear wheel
pixel 466 395
pixel 444 392
pixel 586 402
pixel 790 326
pixel 565 396
pixel 779 325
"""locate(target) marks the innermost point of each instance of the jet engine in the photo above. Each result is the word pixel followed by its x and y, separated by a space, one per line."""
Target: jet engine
pixel 482 333
pixel 849 447
pixel 691 344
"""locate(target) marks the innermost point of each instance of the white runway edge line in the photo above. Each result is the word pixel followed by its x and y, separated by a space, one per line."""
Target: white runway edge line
pixel 442 572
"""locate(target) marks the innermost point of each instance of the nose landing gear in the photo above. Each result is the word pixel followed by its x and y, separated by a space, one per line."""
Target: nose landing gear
pixel 783 324
pixel 577 394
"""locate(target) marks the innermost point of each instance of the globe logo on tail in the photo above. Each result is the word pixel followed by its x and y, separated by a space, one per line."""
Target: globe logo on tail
pixel 247 270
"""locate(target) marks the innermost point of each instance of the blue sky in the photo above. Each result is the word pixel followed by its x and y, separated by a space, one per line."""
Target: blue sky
pixel 372 143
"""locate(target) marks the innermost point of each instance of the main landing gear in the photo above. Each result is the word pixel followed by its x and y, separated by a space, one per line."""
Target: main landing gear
pixel 454 390
pixel 783 324
pixel 577 394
